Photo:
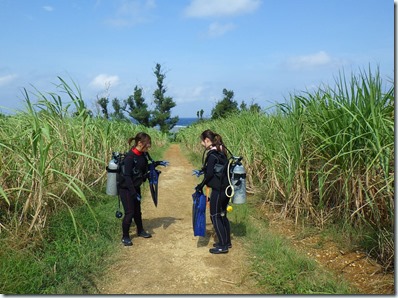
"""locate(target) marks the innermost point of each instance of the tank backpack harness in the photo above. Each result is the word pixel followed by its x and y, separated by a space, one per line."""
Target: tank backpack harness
pixel 114 177
pixel 233 170
pixel 115 171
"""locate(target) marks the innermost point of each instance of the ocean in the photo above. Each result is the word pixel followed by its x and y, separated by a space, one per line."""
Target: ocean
pixel 186 121
pixel 183 122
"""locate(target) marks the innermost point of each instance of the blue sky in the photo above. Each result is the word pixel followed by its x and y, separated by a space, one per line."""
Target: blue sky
pixel 262 50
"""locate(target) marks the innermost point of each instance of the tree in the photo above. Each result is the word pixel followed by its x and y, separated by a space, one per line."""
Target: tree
pixel 243 106
pixel 255 108
pixel 226 106
pixel 163 105
pixel 138 109
pixel 118 110
pixel 199 114
pixel 103 103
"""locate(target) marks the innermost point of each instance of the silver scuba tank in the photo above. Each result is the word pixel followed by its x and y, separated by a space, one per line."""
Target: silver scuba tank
pixel 111 182
pixel 238 181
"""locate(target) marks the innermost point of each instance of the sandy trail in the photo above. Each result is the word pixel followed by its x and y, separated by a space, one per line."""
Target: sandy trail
pixel 173 261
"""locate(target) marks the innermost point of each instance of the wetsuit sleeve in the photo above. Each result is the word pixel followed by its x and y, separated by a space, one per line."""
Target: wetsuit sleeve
pixel 208 170
pixel 127 174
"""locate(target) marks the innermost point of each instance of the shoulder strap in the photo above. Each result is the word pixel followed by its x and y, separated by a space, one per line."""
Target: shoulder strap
pixel 123 157
pixel 216 154
pixel 228 151
pixel 207 156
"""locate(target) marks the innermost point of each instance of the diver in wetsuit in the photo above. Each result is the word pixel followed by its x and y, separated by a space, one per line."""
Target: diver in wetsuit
pixel 134 173
pixel 216 154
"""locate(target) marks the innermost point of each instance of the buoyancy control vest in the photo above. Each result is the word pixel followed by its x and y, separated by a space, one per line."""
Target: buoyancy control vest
pixel 116 171
pixel 229 173
pixel 134 166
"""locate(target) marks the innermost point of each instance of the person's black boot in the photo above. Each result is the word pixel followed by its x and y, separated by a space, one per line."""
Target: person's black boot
pixel 219 250
pixel 127 241
pixel 144 234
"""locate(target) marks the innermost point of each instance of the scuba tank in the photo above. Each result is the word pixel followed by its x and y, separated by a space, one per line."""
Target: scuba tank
pixel 238 180
pixel 112 169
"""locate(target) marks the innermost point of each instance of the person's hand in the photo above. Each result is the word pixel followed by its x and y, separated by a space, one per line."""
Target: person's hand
pixel 164 163
pixel 197 172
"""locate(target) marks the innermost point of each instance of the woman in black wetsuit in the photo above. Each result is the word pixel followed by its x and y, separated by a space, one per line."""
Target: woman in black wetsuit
pixel 134 173
pixel 217 154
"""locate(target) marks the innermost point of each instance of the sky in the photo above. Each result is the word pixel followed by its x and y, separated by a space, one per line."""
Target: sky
pixel 262 50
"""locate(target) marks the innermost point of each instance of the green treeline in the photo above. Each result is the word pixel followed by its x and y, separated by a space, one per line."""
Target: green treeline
pixel 137 109
pixel 325 157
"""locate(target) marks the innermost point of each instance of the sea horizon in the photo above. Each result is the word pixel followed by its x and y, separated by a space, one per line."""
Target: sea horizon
pixel 185 121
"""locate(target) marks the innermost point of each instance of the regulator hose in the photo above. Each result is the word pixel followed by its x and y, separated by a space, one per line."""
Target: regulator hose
pixel 230 186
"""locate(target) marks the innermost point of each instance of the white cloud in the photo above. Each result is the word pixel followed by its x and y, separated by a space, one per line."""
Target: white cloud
pixel 5 80
pixel 318 59
pixel 217 29
pixel 104 81
pixel 211 8
pixel 48 8
pixel 132 12
pixel 191 94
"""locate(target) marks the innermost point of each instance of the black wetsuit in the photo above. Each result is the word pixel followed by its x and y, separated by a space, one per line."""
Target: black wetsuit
pixel 218 199
pixel 132 176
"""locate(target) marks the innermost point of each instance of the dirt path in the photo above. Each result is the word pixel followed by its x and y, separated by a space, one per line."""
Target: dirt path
pixel 173 261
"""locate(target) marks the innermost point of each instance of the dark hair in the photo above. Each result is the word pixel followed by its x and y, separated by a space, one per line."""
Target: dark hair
pixel 215 138
pixel 140 137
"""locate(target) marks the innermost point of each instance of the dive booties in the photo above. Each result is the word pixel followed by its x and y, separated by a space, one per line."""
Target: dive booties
pixel 127 241
pixel 219 250
pixel 144 234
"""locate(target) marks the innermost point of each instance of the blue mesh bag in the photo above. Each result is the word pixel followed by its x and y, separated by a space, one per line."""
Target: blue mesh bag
pixel 199 214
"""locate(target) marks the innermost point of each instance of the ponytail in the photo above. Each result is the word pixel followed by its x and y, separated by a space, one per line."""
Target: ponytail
pixel 216 140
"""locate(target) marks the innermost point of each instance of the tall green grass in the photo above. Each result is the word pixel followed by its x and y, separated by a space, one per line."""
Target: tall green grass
pixel 60 264
pixel 326 156
pixel 52 154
